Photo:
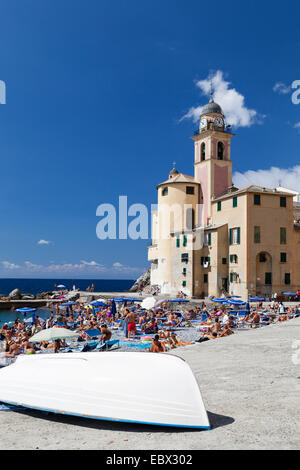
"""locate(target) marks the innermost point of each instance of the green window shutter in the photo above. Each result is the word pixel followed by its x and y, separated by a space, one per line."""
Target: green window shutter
pixel 205 278
pixel 231 258
pixel 257 199
pixel 184 257
pixel 208 259
pixel 209 238
pixel 183 283
pixel 230 236
pixel 234 202
pixel 184 240
pixel 177 242
pixel 287 278
pixel 282 201
pixel 256 234
pixel 238 235
pixel 282 235
pixel 231 277
pixel 282 257
pixel 268 279
pixel 184 271
pixel 219 205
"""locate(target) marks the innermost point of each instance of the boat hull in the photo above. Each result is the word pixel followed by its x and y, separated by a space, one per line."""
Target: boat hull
pixel 157 389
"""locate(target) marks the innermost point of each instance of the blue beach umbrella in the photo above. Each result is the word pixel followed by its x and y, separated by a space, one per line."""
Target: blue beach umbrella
pixel 291 294
pixel 25 310
pixel 68 304
pixel 113 309
pixel 96 303
pixel 237 302
pixel 255 299
pixel 179 300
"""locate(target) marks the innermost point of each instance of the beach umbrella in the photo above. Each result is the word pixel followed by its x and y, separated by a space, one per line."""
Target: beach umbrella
pixel 234 297
pixel 102 300
pixel 25 310
pixel 148 302
pixel 68 304
pixel 96 303
pixel 51 334
pixel 120 300
pixel 219 300
pixel 255 299
pixel 179 300
pixel 237 302
pixel 113 308
pixel 61 286
pixel 291 294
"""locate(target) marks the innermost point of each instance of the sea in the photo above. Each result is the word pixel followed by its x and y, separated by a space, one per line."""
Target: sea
pixel 36 286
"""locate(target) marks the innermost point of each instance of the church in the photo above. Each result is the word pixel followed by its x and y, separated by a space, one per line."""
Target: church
pixel 210 238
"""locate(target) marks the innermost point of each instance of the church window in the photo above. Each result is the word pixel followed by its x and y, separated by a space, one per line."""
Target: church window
pixel 202 151
pixel 190 190
pixel 165 192
pixel 220 150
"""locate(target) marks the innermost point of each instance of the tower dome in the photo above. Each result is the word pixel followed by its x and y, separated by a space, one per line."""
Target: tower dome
pixel 211 107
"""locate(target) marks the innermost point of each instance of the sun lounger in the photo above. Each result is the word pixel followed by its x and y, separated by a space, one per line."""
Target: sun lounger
pixel 108 344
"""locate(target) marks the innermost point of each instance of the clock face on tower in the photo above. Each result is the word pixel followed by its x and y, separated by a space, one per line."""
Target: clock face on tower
pixel 219 121
pixel 203 123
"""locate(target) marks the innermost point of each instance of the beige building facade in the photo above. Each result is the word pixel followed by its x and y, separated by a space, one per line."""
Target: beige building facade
pixel 211 238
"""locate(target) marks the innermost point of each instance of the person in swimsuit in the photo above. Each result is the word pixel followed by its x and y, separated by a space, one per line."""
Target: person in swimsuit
pixel 157 346
pixel 131 324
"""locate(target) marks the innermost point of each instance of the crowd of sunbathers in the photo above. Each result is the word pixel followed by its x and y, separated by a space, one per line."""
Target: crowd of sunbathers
pixel 161 323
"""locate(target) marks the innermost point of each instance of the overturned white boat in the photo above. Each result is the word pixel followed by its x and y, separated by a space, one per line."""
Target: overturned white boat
pixel 158 389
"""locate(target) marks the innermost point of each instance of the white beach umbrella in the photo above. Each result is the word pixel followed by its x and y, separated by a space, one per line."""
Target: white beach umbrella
pixel 51 334
pixel 148 302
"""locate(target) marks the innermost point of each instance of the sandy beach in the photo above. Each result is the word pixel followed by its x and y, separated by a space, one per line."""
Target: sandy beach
pixel 249 384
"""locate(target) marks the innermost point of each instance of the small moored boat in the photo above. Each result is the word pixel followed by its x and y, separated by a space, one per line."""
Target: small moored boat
pixel 157 389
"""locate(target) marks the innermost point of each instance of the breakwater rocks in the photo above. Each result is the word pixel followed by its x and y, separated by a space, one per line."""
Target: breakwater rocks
pixel 16 294
pixel 143 280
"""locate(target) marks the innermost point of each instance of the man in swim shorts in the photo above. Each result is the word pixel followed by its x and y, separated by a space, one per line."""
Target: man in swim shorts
pixel 131 324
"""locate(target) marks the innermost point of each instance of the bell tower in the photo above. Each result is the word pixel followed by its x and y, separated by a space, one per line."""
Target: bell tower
pixel 213 167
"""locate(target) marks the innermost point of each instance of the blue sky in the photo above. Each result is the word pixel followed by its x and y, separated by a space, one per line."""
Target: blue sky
pixel 96 93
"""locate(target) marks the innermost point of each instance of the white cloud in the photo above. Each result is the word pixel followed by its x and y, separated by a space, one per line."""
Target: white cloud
pixel 281 88
pixel 8 265
pixel 231 101
pixel 297 126
pixel 270 178
pixel 117 265
pixel 82 268
pixel 44 242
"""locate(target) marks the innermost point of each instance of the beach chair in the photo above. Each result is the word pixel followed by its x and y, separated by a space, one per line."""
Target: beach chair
pixel 240 323
pixel 108 344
